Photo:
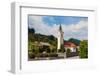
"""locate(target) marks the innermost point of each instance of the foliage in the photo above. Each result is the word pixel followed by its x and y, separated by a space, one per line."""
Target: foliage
pixel 36 37
pixel 31 55
pixel 68 51
pixel 30 46
pixel 83 52
pixel 31 30
pixel 53 50
pixel 53 55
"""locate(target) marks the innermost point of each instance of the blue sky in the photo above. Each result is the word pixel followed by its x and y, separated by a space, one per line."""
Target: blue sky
pixel 73 26
pixel 50 20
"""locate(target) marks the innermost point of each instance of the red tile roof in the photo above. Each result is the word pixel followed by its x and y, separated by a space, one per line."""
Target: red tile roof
pixel 69 44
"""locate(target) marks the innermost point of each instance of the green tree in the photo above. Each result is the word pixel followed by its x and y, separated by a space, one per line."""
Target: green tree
pixel 30 46
pixel 68 52
pixel 83 51
pixel 31 30
pixel 51 37
pixel 36 49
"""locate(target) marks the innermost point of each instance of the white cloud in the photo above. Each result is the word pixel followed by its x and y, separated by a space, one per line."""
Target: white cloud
pixel 78 31
pixel 41 27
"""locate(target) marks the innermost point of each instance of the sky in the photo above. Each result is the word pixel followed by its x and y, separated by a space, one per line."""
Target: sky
pixel 72 26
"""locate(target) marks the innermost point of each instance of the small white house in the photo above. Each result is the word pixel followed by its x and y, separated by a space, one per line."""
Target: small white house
pixel 71 46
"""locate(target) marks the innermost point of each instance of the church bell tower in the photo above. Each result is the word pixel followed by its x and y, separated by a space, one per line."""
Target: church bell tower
pixel 60 39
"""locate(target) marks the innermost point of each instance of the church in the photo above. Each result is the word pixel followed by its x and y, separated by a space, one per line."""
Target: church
pixel 64 44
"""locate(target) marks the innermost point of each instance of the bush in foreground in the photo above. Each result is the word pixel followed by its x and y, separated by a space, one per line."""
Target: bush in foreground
pixel 83 52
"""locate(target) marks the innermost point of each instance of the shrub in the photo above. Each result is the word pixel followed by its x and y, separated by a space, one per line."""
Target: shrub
pixel 53 55
pixel 36 50
pixel 53 50
pixel 41 50
pixel 42 55
pixel 30 50
pixel 61 50
pixel 31 55
pixel 83 52
pixel 48 50
pixel 68 52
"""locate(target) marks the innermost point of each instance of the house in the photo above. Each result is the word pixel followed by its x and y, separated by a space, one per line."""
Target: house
pixel 70 45
pixel 44 45
pixel 66 44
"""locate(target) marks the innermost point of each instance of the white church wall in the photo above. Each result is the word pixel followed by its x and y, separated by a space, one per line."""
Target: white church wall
pixel 71 48
pixel 58 43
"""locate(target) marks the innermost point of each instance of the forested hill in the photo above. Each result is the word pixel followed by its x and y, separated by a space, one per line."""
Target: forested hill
pixel 32 36
pixel 76 41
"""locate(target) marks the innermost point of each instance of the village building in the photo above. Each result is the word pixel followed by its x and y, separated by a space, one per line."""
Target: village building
pixel 66 44
pixel 60 39
pixel 71 46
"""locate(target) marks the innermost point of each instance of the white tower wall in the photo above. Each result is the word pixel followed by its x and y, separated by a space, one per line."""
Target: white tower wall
pixel 60 39
pixel 59 42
